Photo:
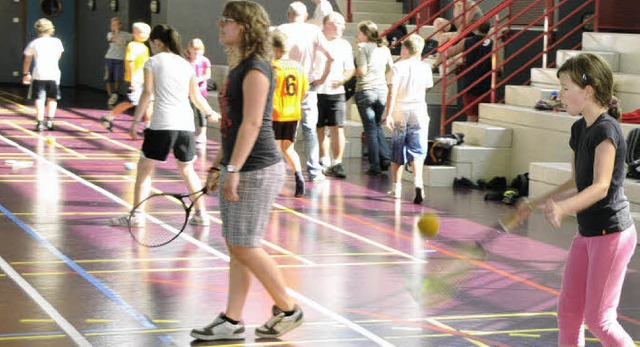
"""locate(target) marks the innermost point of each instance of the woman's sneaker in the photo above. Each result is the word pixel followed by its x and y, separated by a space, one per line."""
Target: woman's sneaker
pixel 280 324
pixel 219 329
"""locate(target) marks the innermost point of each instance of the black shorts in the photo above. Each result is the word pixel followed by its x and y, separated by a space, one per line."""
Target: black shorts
pixel 285 130
pixel 158 143
pixel 41 89
pixel 332 110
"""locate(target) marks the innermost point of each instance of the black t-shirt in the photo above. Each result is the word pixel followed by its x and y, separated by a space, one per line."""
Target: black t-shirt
pixel 476 54
pixel 264 152
pixel 611 214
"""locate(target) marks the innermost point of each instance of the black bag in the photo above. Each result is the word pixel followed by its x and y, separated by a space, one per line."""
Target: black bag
pixel 440 148
pixel 633 153
pixel 211 85
pixel 350 88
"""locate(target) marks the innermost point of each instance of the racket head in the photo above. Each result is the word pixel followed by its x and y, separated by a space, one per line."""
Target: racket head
pixel 158 219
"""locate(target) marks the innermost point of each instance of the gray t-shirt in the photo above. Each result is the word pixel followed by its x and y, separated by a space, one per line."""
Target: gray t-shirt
pixel 264 152
pixel 611 214
pixel 117 44
pixel 378 62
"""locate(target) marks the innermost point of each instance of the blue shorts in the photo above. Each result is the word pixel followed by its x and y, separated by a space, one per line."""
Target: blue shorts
pixel 410 138
pixel 113 70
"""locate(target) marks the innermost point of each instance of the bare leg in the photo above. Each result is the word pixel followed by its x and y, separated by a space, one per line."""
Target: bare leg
pixel 193 182
pixel 118 109
pixel 265 269
pixel 239 285
pixel 396 172
pixel 40 106
pixel 52 105
pixel 143 180
pixel 291 155
pixel 338 142
pixel 324 144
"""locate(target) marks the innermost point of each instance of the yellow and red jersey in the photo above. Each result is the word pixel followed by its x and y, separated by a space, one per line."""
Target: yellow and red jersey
pixel 291 86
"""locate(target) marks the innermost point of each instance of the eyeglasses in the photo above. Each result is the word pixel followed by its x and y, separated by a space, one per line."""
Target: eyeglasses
pixel 225 20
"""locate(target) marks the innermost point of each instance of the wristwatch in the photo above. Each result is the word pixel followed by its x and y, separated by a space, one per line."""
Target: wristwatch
pixel 231 169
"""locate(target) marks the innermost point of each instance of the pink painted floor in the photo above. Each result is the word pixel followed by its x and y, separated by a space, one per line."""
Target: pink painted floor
pixel 351 257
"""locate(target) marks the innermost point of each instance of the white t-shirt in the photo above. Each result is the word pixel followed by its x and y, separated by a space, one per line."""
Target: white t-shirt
pixel 410 78
pixel 321 11
pixel 343 60
pixel 117 48
pixel 172 76
pixel 46 52
pixel 306 42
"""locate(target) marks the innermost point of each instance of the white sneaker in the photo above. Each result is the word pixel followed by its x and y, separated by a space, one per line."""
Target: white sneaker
pixel 219 329
pixel 280 324
pixel 200 219
pixel 394 194
pixel 136 221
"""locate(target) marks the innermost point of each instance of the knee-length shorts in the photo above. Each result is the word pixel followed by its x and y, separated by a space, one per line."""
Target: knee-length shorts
pixel 244 222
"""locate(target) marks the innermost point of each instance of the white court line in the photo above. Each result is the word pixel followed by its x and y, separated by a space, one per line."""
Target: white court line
pixel 298 296
pixel 73 333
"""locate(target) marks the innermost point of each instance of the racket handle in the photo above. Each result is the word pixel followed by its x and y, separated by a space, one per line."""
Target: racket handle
pixel 510 221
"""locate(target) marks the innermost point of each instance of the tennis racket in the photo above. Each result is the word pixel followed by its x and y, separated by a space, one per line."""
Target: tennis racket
pixel 167 218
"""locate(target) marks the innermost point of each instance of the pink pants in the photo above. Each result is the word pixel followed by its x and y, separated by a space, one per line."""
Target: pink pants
pixel 591 288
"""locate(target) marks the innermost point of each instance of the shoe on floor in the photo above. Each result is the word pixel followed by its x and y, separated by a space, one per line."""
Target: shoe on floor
pixel 136 221
pixel 394 194
pixel 299 188
pixel 374 173
pixel 280 324
pixel 419 196
pixel 335 171
pixel 317 178
pixel 50 124
pixel 219 329
pixel 107 123
pixel 39 126
pixel 112 100
pixel 200 219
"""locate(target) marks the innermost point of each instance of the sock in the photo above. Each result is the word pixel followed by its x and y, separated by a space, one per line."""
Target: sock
pixel 397 187
pixel 324 161
pixel 234 322
pixel 289 313
pixel 336 162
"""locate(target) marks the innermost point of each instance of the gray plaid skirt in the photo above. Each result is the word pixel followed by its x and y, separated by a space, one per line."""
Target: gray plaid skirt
pixel 244 222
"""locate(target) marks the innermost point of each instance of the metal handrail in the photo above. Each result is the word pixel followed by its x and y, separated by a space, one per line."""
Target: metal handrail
pixel 549 11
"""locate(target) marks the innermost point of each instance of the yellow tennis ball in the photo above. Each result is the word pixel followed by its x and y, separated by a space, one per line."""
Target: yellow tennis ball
pixel 50 140
pixel 429 225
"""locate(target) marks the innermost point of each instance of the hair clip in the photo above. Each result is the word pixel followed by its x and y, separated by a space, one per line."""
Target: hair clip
pixel 584 78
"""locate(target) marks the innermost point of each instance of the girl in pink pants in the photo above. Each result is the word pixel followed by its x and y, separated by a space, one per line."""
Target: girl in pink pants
pixel 606 239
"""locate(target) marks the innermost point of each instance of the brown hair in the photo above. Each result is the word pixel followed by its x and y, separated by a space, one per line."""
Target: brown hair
pixel 253 18
pixel 168 36
pixel 370 31
pixel 588 69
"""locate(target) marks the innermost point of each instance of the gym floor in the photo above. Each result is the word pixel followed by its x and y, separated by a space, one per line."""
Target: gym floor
pixel 352 257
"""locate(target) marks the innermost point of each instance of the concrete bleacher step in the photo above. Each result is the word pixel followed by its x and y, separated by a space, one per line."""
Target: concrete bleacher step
pixel 376 6
pixel 526 96
pixel 484 135
pixel 476 162
pixel 626 86
pixel 435 176
pixel 626 45
pixel 613 58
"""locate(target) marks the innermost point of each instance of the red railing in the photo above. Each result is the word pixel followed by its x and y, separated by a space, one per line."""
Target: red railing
pixel 500 27
pixel 545 18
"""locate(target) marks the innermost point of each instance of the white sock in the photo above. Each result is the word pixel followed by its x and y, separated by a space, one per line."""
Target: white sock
pixel 335 162
pixel 324 161
pixel 397 187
